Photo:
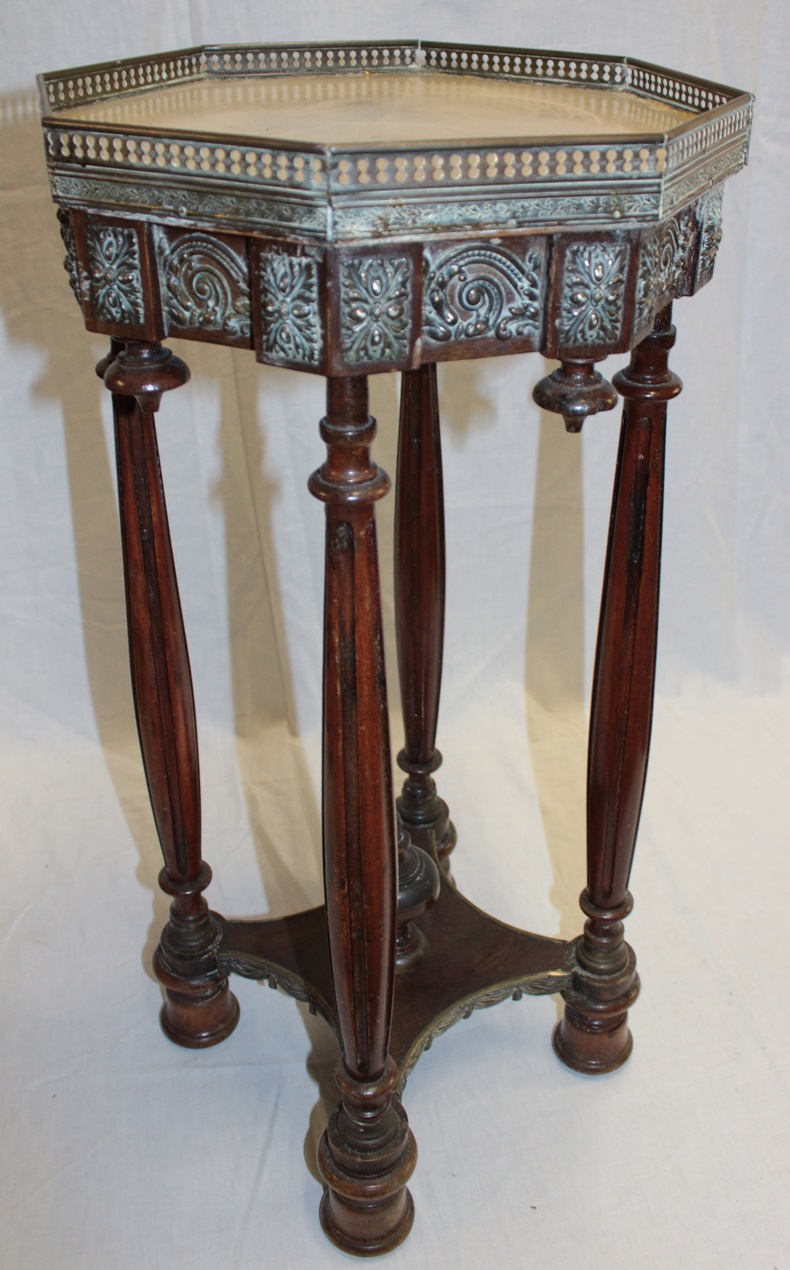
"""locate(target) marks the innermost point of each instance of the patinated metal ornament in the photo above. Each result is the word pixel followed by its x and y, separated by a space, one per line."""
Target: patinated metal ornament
pixel 115 281
pixel 711 234
pixel 593 293
pixel 531 986
pixel 279 977
pixel 664 265
pixel 452 212
pixel 205 285
pixel 474 292
pixel 70 258
pixel 337 192
pixel 251 210
pixel 375 302
pixel 708 174
pixel 289 309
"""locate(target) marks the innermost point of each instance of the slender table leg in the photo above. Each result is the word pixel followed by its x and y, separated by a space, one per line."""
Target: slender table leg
pixel 199 1008
pixel 368 1152
pixel 593 1035
pixel 419 608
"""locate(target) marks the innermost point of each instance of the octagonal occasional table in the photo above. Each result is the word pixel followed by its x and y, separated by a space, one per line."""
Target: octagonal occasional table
pixel 349 209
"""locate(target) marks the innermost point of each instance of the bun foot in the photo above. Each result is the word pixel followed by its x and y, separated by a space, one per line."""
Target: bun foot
pixel 198 1016
pixel 375 1230
pixel 593 1035
pixel 592 1045
pixel 365 1157
pixel 199 1010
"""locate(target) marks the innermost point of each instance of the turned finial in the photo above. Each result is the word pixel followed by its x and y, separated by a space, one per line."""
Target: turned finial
pixel 144 370
pixel 575 390
pixel 418 888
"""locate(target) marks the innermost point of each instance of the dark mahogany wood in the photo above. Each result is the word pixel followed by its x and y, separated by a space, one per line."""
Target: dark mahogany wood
pixel 199 1008
pixel 419 608
pixel 367 1153
pixel 330 277
pixel 593 1035
pixel 418 888
pixel 473 961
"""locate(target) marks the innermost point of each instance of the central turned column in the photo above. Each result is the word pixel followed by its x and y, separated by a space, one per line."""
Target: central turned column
pixel 419 609
pixel 367 1153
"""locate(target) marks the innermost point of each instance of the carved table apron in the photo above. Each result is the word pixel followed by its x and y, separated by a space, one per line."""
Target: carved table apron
pixel 390 232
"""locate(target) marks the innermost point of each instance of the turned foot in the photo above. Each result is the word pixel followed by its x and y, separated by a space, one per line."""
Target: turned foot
pixel 593 1035
pixel 199 1008
pixel 366 1156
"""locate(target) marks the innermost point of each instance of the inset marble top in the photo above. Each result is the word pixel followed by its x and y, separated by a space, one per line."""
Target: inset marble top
pixel 413 106
pixel 367 141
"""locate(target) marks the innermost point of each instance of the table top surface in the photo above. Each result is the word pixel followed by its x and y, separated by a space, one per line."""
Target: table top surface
pixel 411 106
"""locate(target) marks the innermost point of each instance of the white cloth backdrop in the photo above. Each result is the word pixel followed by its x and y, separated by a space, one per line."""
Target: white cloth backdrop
pixel 120 1150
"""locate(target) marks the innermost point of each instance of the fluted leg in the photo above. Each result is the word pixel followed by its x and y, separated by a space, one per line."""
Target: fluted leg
pixel 367 1153
pixel 593 1035
pixel 419 609
pixel 199 1008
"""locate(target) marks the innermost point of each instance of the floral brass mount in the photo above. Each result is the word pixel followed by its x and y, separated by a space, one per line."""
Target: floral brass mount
pixel 474 962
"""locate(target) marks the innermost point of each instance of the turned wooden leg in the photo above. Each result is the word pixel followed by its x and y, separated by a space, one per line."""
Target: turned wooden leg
pixel 367 1153
pixel 593 1035
pixel 419 611
pixel 199 1008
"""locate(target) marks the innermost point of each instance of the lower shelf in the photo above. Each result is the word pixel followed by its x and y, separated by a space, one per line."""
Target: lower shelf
pixel 474 961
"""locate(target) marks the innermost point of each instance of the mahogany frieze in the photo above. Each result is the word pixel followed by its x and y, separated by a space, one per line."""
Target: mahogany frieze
pixel 70 258
pixel 344 310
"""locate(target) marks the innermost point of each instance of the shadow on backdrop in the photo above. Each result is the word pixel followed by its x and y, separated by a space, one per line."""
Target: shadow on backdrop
pixel 40 311
pixel 554 662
